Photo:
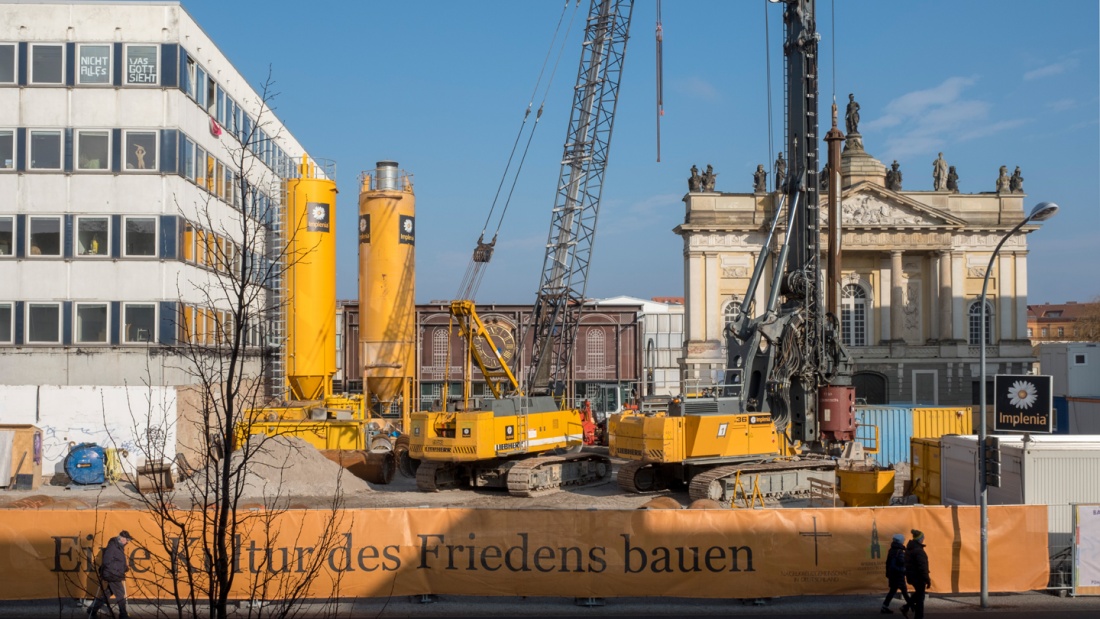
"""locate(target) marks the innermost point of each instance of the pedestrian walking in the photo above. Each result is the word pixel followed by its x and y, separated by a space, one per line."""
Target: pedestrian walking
pixel 895 575
pixel 916 572
pixel 112 576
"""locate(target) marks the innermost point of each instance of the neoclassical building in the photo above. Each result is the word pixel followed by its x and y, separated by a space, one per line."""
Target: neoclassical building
pixel 913 264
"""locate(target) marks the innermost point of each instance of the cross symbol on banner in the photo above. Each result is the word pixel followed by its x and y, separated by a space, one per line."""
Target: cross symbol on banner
pixel 815 534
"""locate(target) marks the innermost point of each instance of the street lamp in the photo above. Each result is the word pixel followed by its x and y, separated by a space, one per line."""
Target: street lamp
pixel 1041 212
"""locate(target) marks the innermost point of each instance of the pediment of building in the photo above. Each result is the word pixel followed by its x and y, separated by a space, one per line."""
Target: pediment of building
pixel 867 205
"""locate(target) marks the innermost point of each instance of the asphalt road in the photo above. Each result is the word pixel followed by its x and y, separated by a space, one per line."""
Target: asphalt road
pixel 1005 606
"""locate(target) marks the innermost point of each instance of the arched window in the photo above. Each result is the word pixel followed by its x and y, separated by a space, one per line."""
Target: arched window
pixel 730 309
pixel 595 361
pixel 853 315
pixel 976 323
pixel 439 352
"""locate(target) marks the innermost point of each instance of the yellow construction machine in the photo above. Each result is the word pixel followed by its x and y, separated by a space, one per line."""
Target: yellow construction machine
pixel 784 413
pixel 484 443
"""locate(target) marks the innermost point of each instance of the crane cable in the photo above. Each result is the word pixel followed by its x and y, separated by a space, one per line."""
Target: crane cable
pixel 660 78
pixel 484 251
pixel 768 79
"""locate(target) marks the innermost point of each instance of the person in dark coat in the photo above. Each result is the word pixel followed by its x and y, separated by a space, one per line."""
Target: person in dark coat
pixel 112 576
pixel 916 572
pixel 895 574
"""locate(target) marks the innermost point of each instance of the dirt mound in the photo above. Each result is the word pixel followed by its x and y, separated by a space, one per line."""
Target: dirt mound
pixel 277 469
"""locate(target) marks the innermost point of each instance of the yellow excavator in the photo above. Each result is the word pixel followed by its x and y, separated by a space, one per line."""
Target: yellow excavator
pixel 487 443
pixel 783 415
pixel 493 443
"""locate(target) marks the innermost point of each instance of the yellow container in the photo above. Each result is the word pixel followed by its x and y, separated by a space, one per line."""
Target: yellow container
pixel 865 488
pixel 925 470
pixel 935 422
pixel 326 434
pixel 311 282
pixel 387 283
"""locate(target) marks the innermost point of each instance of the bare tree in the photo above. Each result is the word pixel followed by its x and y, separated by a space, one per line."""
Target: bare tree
pixel 1088 325
pixel 229 342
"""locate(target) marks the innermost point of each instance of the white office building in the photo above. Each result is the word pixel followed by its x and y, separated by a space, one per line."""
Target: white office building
pixel 123 131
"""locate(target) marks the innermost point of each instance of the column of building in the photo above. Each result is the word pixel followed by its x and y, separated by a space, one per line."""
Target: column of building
pixel 1021 294
pixel 947 325
pixel 897 298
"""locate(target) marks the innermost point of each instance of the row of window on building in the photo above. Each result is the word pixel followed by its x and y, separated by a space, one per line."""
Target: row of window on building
pixel 105 323
pixel 207 249
pixel 1045 332
pixel 205 326
pixel 90 236
pixel 210 96
pixel 84 64
pixel 94 237
pixel 141 65
pixel 80 323
pixel 855 307
pixel 53 150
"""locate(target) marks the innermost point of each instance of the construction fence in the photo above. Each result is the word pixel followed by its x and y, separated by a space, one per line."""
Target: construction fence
pixel 46 554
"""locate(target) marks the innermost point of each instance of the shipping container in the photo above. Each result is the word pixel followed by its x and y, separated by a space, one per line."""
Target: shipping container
pixel 931 422
pixel 1075 367
pixel 925 470
pixel 1056 471
pixel 1082 415
pixel 886 431
pixel 1061 415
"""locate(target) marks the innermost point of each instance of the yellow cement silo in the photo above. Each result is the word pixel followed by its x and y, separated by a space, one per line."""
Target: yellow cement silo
pixel 311 281
pixel 387 286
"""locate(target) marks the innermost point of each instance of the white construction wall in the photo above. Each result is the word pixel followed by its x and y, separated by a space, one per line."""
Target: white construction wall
pixel 139 420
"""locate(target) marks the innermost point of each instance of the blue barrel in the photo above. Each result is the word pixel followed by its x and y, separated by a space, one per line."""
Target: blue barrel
pixel 85 464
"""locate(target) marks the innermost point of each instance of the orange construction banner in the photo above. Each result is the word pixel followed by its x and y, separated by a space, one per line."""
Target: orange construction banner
pixel 47 554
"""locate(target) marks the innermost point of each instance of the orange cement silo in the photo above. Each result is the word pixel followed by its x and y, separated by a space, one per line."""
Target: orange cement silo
pixel 387 286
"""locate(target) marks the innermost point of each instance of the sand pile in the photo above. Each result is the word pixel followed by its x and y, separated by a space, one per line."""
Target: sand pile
pixel 282 467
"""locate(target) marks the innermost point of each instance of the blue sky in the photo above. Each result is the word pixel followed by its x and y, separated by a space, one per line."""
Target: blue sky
pixel 441 86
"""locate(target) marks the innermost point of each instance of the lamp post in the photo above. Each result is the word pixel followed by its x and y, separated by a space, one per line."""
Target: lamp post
pixel 1041 212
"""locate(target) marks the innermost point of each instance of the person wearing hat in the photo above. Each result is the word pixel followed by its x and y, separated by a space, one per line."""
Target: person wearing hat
pixel 112 576
pixel 895 575
pixel 916 572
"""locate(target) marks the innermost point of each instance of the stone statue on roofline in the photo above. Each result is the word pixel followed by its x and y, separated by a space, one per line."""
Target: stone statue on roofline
pixel 1003 180
pixel 1016 182
pixel 695 182
pixel 709 178
pixel 939 174
pixel 952 180
pixel 760 180
pixel 851 115
pixel 893 177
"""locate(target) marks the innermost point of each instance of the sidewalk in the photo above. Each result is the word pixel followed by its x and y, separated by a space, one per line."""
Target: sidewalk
pixel 466 606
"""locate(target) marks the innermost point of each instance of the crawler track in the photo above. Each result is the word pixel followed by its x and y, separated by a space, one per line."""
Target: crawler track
pixel 776 480
pixel 640 477
pixel 527 477
pixel 435 476
pixel 547 474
